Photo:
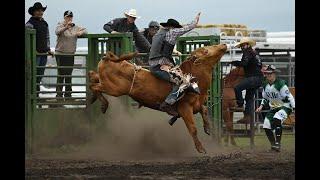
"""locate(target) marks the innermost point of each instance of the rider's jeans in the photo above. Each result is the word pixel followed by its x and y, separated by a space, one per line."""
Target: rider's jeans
pixel 155 70
pixel 250 84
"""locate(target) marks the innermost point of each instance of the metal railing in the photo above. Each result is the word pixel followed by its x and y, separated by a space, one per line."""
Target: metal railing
pixel 51 97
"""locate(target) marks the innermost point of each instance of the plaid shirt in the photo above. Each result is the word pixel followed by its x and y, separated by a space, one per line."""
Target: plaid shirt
pixel 174 33
pixel 171 37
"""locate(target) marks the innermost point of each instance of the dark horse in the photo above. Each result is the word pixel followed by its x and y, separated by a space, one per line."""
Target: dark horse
pixel 229 100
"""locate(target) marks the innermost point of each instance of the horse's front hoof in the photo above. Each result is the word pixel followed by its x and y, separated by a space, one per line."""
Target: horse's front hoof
pixel 201 150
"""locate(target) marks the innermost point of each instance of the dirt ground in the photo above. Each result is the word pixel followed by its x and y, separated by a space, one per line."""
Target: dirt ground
pixel 141 147
pixel 257 164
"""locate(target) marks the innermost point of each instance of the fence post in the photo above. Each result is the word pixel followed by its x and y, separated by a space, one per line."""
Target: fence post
pixel 30 63
pixel 216 96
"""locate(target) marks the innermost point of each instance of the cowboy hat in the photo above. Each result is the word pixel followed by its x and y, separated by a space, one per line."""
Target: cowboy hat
pixel 171 22
pixel 270 69
pixel 35 7
pixel 132 13
pixel 245 40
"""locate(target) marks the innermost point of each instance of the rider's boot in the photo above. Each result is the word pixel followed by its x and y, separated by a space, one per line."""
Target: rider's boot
pixel 170 100
pixel 194 88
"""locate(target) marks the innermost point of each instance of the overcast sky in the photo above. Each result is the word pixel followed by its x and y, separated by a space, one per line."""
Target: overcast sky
pixel 270 15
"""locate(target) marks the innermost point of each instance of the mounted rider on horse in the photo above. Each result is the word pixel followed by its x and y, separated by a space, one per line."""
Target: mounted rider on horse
pixel 163 66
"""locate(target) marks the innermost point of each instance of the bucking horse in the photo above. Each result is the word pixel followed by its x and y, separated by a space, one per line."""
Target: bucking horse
pixel 115 76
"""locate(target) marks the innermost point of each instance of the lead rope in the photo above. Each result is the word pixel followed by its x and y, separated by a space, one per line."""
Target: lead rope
pixel 136 69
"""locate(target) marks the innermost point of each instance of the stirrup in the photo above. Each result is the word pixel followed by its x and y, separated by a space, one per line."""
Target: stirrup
pixel 168 109
pixel 173 120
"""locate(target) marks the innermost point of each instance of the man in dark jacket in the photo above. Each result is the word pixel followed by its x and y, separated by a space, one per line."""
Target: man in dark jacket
pixel 148 33
pixel 42 37
pixel 252 65
pixel 122 25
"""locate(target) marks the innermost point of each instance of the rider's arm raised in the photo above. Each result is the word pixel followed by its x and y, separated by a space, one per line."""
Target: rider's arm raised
pixel 173 34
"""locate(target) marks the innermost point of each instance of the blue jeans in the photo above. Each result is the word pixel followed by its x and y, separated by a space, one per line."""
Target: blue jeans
pixel 250 84
pixel 155 70
pixel 41 61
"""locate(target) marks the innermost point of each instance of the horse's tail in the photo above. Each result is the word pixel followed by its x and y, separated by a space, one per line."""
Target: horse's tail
pixel 110 56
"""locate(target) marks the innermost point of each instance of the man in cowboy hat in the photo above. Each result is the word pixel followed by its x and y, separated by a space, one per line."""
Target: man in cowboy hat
pixel 148 33
pixel 252 65
pixel 122 25
pixel 275 93
pixel 42 36
pixel 161 61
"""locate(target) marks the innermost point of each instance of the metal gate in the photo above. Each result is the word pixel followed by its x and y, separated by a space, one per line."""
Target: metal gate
pixel 48 118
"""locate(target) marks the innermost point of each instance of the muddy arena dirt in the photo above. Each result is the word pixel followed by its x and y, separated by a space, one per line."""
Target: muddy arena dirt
pixel 234 165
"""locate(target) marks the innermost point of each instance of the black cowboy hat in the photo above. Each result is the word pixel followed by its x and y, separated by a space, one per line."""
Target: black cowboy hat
pixel 171 22
pixel 35 7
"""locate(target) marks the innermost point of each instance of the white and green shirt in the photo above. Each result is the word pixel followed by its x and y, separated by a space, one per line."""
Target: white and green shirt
pixel 277 94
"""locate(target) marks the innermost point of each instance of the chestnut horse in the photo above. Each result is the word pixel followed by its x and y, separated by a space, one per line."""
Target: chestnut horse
pixel 117 77
pixel 229 100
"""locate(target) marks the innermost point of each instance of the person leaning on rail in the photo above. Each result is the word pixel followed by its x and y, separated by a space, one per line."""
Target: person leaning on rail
pixel 275 93
pixel 67 34
pixel 127 24
pixel 37 22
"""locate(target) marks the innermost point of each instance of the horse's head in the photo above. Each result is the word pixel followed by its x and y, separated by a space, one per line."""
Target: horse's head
pixel 209 55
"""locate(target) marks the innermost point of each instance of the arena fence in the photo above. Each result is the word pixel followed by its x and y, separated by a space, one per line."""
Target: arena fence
pixel 48 117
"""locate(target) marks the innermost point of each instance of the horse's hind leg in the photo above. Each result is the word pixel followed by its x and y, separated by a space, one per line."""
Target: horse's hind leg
pixel 232 141
pixel 97 93
pixel 93 79
pixel 226 118
pixel 205 118
pixel 104 101
pixel 186 112
pixel 95 87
